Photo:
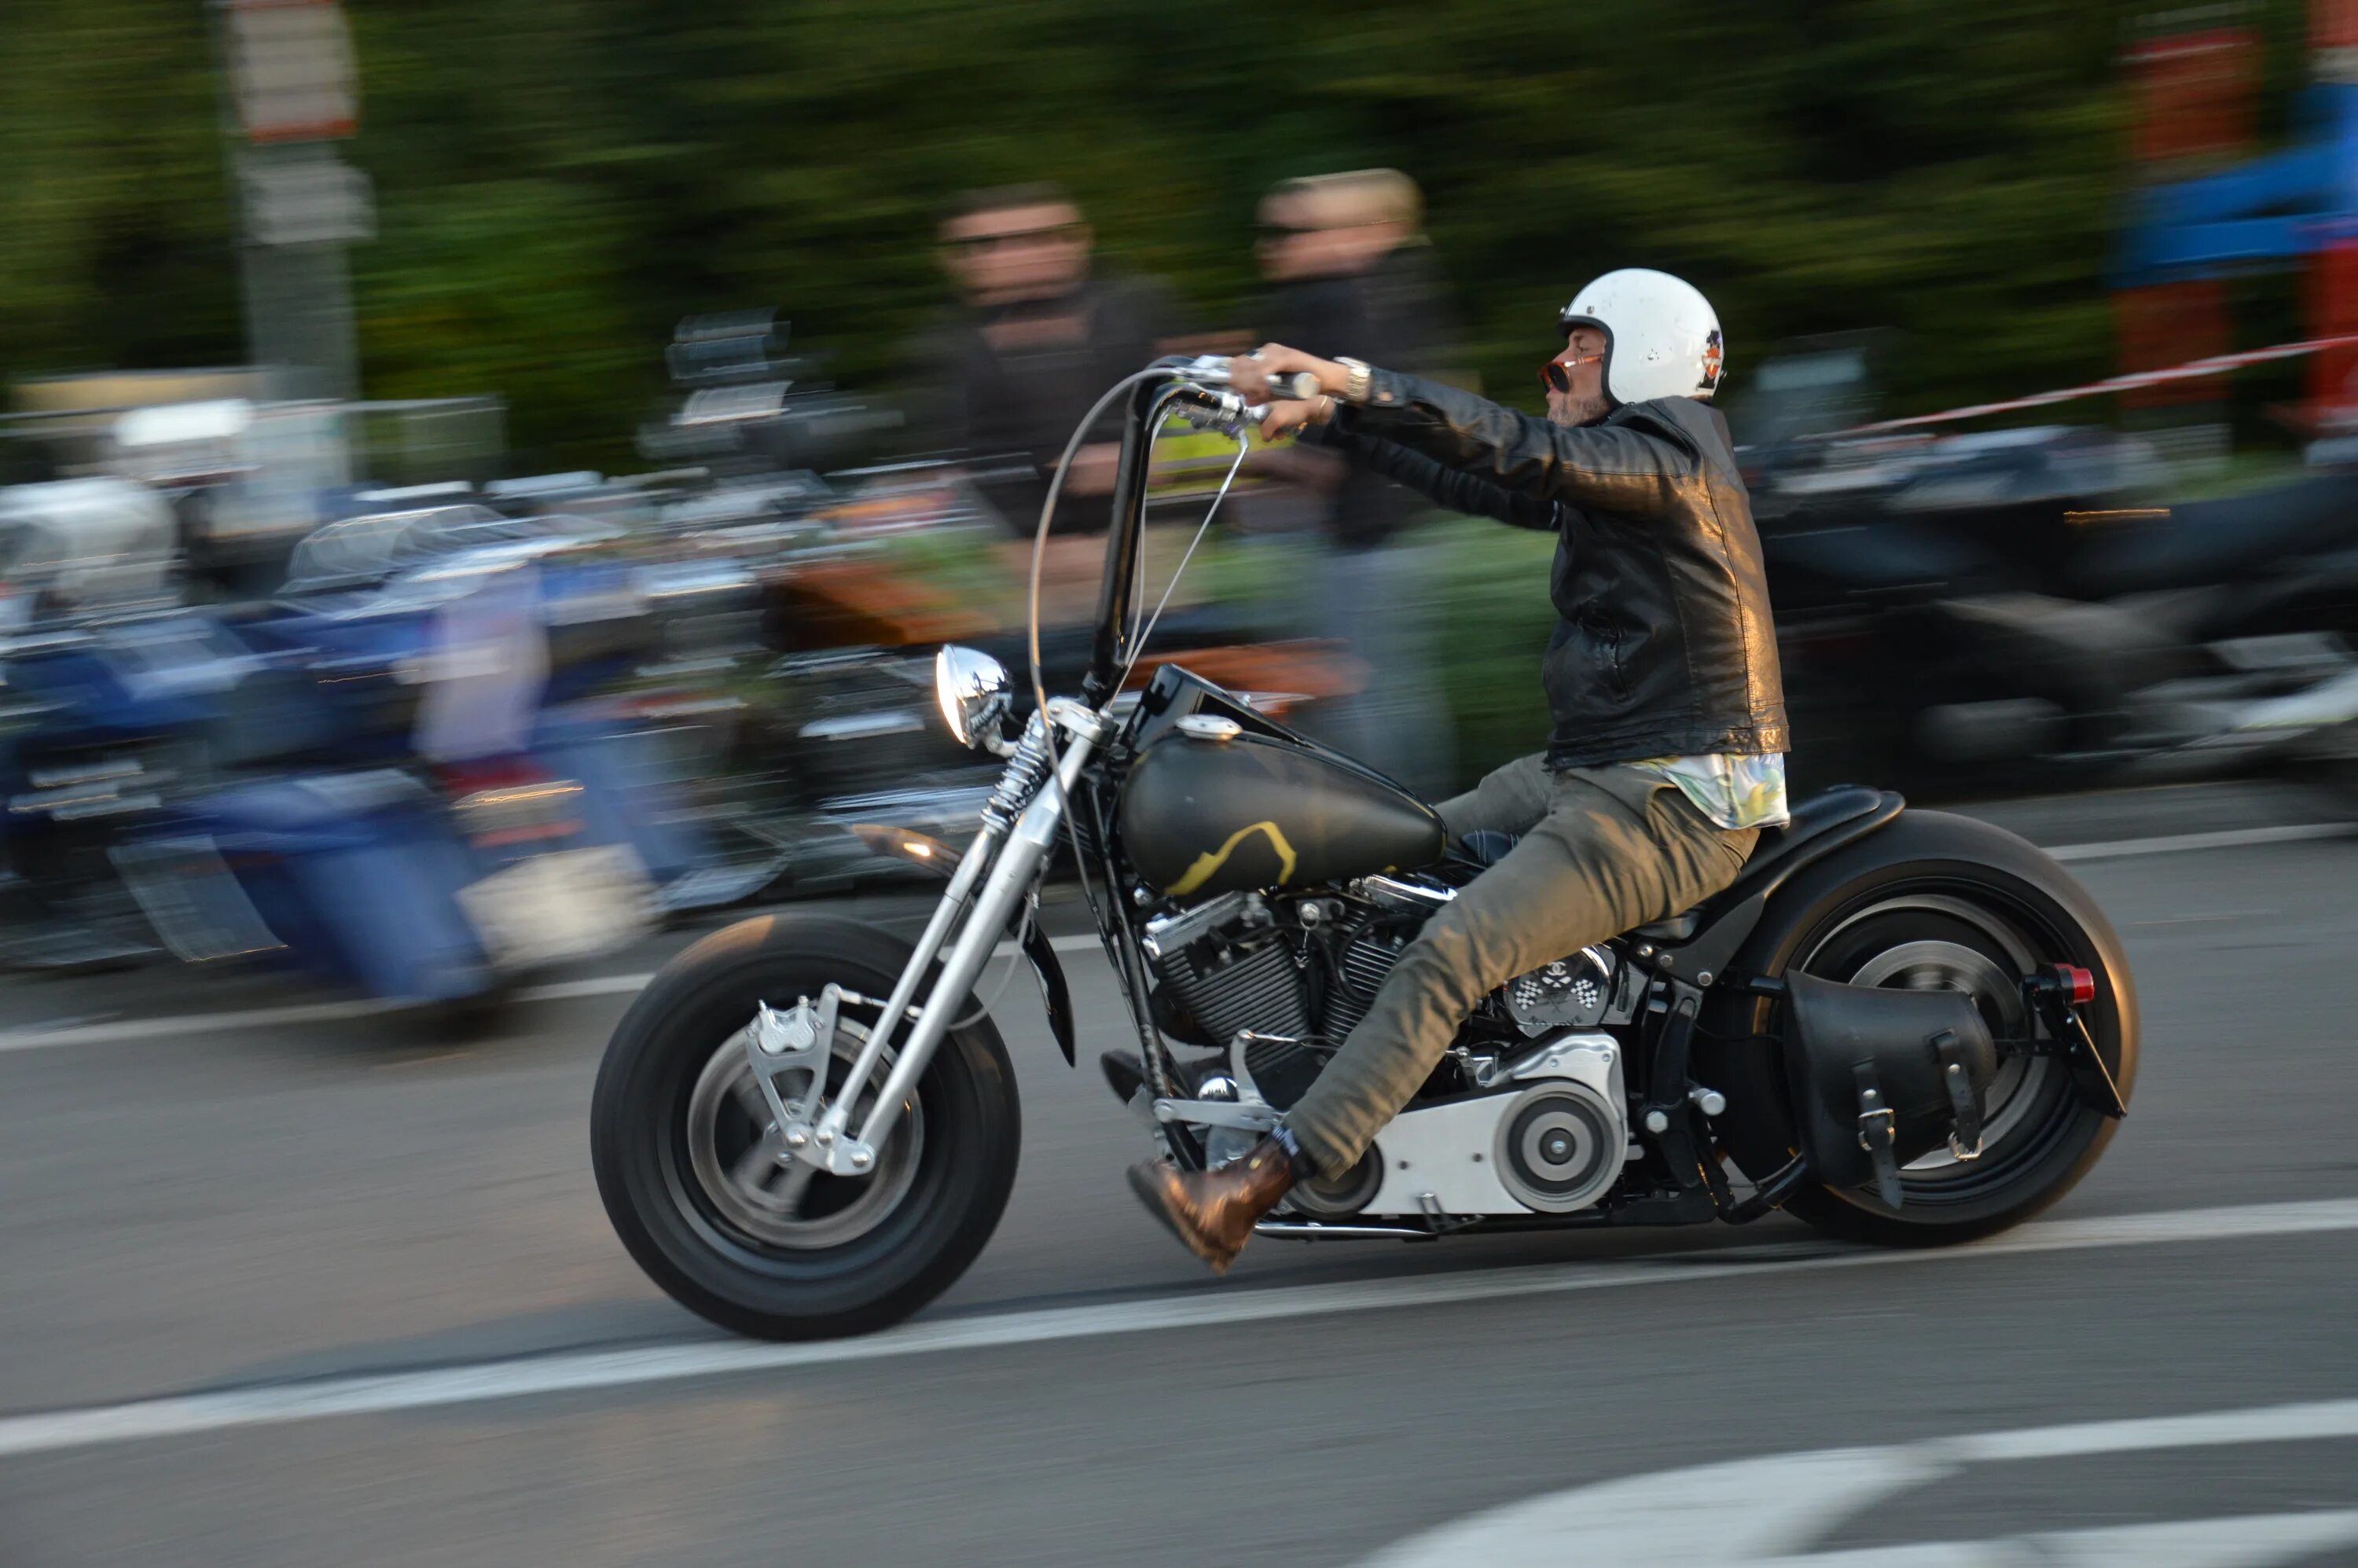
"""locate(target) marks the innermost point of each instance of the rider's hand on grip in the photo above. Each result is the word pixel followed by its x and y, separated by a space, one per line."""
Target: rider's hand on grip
pixel 1291 386
pixel 1283 418
pixel 1255 376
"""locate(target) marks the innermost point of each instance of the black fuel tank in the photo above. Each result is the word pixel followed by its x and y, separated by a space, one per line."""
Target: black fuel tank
pixel 1201 817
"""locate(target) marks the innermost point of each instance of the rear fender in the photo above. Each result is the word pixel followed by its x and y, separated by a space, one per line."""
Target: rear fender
pixel 1738 1049
pixel 1730 919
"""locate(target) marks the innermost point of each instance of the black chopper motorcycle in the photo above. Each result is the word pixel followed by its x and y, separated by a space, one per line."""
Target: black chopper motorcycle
pixel 1904 1027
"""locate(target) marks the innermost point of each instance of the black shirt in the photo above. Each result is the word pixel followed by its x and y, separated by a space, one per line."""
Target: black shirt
pixel 1396 314
pixel 1009 412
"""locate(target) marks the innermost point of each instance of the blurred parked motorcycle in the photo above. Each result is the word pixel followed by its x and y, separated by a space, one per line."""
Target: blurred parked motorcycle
pixel 400 775
pixel 2007 610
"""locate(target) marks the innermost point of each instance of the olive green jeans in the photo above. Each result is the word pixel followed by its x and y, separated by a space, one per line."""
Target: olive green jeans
pixel 1602 850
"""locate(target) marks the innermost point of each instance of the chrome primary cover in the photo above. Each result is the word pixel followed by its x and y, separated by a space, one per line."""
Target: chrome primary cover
pixel 1551 1139
pixel 1559 1147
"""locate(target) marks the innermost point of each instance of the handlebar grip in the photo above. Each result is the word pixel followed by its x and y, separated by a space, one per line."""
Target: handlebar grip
pixel 1295 387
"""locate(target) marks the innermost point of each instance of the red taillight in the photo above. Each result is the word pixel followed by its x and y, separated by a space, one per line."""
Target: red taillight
pixel 2080 982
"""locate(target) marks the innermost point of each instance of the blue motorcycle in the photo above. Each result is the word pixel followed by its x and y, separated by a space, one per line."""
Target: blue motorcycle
pixel 397 777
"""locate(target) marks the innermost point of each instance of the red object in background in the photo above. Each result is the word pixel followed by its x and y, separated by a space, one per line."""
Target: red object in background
pixel 2332 25
pixel 2165 324
pixel 2195 94
pixel 2333 309
pixel 471 775
pixel 2194 104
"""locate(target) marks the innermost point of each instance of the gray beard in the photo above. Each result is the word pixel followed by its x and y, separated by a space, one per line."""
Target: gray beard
pixel 1581 414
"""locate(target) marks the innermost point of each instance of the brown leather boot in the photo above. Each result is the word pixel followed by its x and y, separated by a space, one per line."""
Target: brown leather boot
pixel 1214 1212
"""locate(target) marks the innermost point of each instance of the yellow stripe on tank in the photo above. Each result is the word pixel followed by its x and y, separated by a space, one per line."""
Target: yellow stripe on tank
pixel 1206 865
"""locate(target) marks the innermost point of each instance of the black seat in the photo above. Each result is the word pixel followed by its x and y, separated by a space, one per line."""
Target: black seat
pixel 1843 806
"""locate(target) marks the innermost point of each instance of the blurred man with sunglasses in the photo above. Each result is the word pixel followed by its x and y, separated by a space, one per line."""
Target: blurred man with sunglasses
pixel 1667 756
pixel 1351 271
pixel 1038 333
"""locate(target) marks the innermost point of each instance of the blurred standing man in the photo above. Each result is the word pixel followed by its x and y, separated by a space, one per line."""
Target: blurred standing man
pixel 1037 336
pixel 1350 264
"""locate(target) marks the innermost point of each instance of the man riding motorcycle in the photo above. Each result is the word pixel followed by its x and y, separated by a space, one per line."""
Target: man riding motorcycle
pixel 1667 754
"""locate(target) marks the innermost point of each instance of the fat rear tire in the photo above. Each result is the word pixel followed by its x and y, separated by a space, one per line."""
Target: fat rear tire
pixel 965 1163
pixel 1928 878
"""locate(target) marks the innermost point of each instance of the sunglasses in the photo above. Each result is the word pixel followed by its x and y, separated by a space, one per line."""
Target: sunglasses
pixel 978 242
pixel 1556 374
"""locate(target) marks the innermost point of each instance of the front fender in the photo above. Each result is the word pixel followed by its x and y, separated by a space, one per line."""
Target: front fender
pixel 1056 996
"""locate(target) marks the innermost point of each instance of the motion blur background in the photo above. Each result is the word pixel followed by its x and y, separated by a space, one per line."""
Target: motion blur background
pixel 527 199
pixel 482 482
pixel 556 184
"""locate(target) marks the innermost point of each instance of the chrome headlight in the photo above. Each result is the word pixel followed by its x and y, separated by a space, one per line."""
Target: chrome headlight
pixel 971 687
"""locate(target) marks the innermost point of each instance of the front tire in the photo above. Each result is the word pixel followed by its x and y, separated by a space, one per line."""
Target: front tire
pixel 1939 902
pixel 676 1142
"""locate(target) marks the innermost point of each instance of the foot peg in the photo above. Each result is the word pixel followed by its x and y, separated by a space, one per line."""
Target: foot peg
pixel 1125 1074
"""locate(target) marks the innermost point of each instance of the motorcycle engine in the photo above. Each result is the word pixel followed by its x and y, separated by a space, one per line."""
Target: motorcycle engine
pixel 1226 968
pixel 1298 974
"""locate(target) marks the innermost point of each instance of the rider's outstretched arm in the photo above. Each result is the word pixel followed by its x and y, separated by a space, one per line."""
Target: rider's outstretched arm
pixel 1613 467
pixel 1450 488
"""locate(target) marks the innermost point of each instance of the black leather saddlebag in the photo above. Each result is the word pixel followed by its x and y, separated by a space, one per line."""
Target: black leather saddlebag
pixel 1881 1078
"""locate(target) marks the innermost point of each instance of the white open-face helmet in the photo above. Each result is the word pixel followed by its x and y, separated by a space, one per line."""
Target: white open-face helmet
pixel 1661 335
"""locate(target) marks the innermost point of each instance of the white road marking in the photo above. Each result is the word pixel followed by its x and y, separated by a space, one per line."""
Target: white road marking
pixel 191 1024
pixel 522 1377
pixel 1769 1509
pixel 119 1030
pixel 2240 1541
pixel 2183 843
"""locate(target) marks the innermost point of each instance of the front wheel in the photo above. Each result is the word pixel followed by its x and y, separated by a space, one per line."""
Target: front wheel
pixel 702 1195
pixel 1935 902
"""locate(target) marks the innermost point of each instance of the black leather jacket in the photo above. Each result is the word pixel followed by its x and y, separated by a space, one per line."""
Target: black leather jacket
pixel 1665 646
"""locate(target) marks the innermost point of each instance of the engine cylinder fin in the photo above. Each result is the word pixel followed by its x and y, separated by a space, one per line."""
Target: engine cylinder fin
pixel 1253 985
pixel 1365 963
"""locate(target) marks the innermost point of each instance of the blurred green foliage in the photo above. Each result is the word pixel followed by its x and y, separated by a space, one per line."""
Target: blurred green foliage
pixel 559 181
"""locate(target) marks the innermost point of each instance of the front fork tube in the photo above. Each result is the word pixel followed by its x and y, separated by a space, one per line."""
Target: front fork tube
pixel 1009 877
pixel 977 860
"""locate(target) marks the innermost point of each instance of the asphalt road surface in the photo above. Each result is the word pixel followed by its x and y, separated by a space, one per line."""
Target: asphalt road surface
pixel 311 1287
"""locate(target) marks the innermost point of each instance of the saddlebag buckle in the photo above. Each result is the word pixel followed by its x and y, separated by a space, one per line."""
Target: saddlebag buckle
pixel 1964 1100
pixel 1878 1132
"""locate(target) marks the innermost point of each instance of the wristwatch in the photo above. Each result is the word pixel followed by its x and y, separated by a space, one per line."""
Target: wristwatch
pixel 1361 385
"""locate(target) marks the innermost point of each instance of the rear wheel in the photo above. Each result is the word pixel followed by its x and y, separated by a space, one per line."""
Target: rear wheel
pixel 1952 905
pixel 707 1200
